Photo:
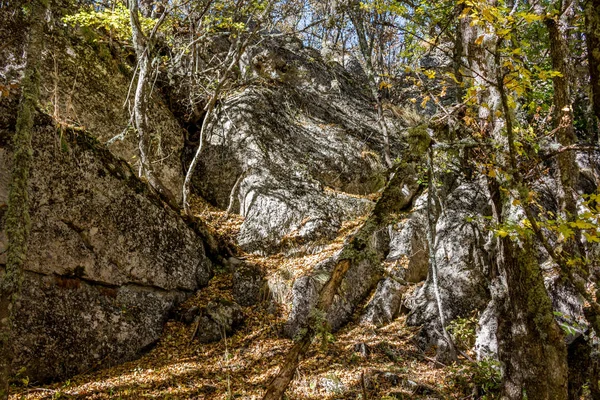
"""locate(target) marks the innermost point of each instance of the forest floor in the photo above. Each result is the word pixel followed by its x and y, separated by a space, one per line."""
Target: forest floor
pixel 379 362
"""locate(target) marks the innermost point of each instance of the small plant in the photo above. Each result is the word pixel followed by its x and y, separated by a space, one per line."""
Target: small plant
pixel 482 379
pixel 463 332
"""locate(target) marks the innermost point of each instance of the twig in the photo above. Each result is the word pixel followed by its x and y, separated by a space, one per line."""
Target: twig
pixel 364 385
pixel 195 330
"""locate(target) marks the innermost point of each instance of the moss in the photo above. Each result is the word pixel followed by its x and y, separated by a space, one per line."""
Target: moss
pixel 17 223
pixel 539 305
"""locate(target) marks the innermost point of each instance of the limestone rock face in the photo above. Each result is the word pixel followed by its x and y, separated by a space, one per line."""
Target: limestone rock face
pixel 87 84
pixel 106 262
pixel 357 284
pixel 462 260
pixel 301 143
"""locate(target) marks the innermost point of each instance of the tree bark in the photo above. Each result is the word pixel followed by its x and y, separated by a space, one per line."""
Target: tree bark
pixel 565 133
pixel 17 223
pixel 531 345
pixel 142 46
pixel 592 35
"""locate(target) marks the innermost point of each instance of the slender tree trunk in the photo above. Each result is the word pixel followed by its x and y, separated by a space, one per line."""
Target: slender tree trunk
pixel 393 200
pixel 592 35
pixel 17 223
pixel 232 60
pixel 565 133
pixel 365 45
pixel 142 47
pixel 432 247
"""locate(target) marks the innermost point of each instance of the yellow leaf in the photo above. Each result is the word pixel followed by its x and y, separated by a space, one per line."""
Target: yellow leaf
pixel 479 40
pixel 501 233
pixel 429 73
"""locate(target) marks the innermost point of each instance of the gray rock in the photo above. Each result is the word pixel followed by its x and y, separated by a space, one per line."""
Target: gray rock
pixel 486 342
pixel 407 262
pixel 289 146
pixel 462 262
pixel 107 260
pixel 358 282
pixel 385 304
pixel 332 384
pixel 408 246
pixel 187 316
pixel 90 92
pixel 218 319
pixel 248 284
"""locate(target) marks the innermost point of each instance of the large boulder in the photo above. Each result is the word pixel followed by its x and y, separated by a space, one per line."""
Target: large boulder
pixel 296 150
pixel 218 320
pixel 107 259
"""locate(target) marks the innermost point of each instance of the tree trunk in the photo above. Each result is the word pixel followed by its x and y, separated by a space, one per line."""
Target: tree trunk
pixel 393 200
pixel 365 45
pixel 432 248
pixel 140 107
pixel 592 35
pixel 17 223
pixel 531 344
pixel 565 133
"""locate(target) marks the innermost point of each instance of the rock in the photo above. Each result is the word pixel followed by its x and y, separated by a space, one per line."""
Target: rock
pixel 408 246
pixel 304 153
pixel 462 261
pixel 406 262
pixel 486 342
pixel 360 258
pixel 187 316
pixel 248 284
pixel 568 308
pixel 362 349
pixel 357 284
pixel 107 260
pixel 332 384
pixel 385 304
pixel 217 319
pixel 91 91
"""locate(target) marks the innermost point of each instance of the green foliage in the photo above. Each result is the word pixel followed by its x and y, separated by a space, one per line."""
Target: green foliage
pixel 481 379
pixel 321 327
pixel 463 331
pixel 114 22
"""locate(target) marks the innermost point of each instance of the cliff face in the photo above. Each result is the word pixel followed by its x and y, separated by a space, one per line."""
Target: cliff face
pixel 106 263
pixel 300 140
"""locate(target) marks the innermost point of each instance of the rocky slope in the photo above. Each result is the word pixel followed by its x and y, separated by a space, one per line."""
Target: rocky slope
pixel 294 151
